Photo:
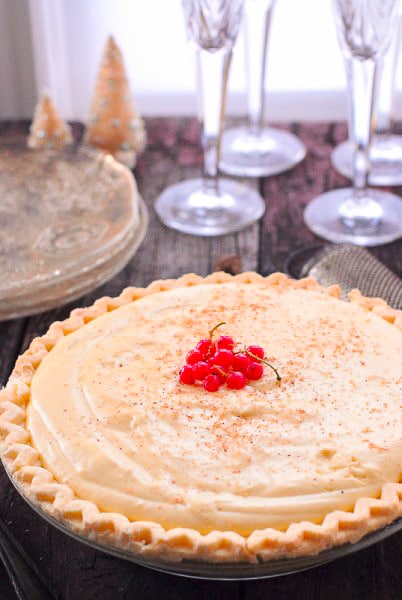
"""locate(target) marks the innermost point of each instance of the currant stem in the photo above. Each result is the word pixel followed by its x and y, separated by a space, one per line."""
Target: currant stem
pixel 221 371
pixel 215 328
pixel 278 377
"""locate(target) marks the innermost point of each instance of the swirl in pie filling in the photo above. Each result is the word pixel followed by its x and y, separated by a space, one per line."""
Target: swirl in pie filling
pixel 109 417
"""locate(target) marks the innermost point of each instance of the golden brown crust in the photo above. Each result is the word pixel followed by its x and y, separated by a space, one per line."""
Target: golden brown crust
pixel 24 465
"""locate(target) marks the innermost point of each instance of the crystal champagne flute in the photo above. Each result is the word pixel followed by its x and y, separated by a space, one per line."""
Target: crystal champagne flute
pixel 254 150
pixel 360 215
pixel 386 147
pixel 211 205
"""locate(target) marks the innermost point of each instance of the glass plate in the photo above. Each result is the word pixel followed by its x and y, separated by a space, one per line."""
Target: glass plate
pixel 69 221
pixel 226 571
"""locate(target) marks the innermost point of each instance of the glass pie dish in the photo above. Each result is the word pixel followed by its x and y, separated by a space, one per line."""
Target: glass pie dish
pixel 225 571
pixel 87 442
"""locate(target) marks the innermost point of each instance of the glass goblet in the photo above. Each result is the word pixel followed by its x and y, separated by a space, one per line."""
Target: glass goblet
pixel 211 205
pixel 360 215
pixel 386 147
pixel 254 150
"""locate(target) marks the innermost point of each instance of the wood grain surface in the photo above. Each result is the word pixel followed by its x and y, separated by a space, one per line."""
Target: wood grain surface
pixel 77 572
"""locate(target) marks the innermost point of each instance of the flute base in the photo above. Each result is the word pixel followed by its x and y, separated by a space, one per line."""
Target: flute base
pixel 191 208
pixel 269 152
pixel 333 217
pixel 385 159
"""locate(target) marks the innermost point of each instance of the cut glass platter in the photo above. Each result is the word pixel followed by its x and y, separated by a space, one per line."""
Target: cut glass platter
pixel 69 221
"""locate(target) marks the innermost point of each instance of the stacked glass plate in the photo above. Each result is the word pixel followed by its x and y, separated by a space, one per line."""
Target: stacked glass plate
pixel 69 220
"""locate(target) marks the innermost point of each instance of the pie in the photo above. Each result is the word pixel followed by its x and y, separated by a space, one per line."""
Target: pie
pixel 97 429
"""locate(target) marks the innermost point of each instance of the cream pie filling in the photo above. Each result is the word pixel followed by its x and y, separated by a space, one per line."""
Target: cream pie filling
pixel 110 418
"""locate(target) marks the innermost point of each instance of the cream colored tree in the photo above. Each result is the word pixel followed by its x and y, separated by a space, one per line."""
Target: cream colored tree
pixel 48 129
pixel 114 122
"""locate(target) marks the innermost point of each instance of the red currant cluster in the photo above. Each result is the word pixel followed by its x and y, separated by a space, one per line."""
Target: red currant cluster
pixel 216 363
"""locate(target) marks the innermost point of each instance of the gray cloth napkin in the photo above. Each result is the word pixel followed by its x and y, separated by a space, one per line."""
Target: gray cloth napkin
pixel 354 267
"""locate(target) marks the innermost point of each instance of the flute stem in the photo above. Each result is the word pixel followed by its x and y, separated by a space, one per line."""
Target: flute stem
pixel 213 69
pixel 361 74
pixel 257 22
pixel 361 212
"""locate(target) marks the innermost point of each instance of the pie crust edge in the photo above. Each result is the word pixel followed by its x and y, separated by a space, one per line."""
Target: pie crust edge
pixel 148 539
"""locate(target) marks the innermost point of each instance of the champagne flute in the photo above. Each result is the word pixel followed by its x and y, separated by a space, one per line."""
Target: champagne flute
pixel 211 205
pixel 360 215
pixel 386 147
pixel 254 150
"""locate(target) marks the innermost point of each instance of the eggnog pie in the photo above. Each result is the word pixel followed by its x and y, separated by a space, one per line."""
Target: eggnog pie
pixel 120 424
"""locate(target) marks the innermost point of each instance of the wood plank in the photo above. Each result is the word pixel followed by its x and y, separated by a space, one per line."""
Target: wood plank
pixel 6 591
pixel 288 194
pixel 11 334
pixel 371 574
pixel 172 157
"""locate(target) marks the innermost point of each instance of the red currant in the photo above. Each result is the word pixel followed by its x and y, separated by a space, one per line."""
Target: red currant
pixel 206 347
pixel 256 350
pixel 236 380
pixel 225 342
pixel 241 362
pixel 201 369
pixel 254 371
pixel 211 383
pixel 215 363
pixel 194 356
pixel 223 358
pixel 220 372
pixel 186 375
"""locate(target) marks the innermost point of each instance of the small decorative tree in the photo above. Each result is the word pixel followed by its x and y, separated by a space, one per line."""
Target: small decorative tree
pixel 48 129
pixel 114 122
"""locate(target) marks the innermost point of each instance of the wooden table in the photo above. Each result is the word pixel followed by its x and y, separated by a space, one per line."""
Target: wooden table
pixel 76 572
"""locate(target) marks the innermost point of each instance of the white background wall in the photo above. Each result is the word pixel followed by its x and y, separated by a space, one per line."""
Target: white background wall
pixel 58 44
pixel 303 55
pixel 17 78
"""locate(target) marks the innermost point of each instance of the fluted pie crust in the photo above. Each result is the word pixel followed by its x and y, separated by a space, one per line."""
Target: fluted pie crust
pixel 27 468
